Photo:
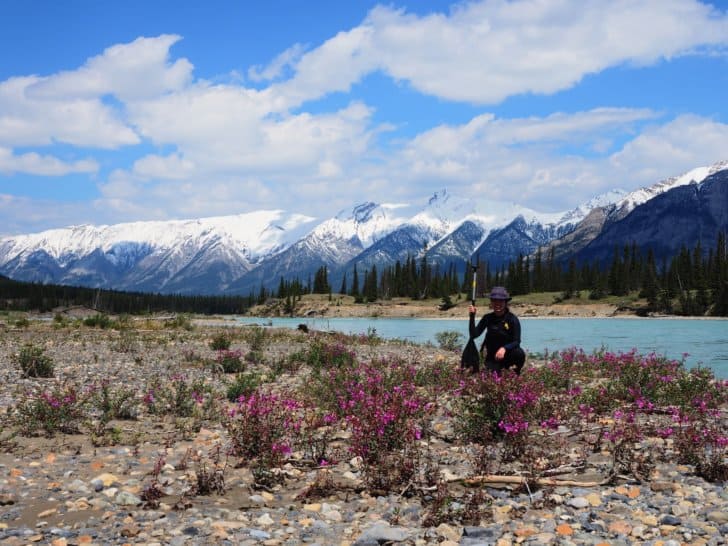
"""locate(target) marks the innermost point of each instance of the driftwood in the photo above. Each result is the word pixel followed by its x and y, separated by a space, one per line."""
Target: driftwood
pixel 522 480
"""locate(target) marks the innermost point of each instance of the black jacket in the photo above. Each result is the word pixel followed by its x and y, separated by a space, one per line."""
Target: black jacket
pixel 504 331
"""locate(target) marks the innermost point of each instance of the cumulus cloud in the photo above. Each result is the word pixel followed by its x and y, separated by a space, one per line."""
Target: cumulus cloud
pixel 195 148
pixel 132 71
pixel 276 68
pixel 82 122
pixel 483 52
pixel 530 160
pixel 43 165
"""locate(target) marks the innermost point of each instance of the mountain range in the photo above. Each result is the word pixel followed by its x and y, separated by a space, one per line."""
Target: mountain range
pixel 238 254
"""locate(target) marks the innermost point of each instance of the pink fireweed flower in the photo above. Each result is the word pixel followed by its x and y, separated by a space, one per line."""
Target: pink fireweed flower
pixel 644 404
pixel 513 428
pixel 550 423
pixel 665 432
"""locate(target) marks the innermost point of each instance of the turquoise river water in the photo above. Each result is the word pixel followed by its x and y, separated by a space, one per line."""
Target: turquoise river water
pixel 701 342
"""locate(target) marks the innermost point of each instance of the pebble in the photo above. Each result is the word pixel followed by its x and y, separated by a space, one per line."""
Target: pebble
pixel 85 496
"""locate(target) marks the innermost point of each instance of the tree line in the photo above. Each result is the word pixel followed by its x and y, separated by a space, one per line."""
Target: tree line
pixel 693 282
pixel 26 296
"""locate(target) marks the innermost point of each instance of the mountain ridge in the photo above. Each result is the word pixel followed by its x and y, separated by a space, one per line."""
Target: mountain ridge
pixel 237 254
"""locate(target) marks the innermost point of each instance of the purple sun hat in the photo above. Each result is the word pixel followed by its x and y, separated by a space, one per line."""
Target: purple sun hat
pixel 499 293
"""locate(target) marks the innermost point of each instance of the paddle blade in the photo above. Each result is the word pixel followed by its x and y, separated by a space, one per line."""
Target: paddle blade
pixel 471 357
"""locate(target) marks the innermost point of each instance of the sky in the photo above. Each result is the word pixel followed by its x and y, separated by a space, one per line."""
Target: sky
pixel 131 110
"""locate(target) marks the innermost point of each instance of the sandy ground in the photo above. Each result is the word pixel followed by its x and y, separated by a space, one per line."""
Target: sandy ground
pixel 406 309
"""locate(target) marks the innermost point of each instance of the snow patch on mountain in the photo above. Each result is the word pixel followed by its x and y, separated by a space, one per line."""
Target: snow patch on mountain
pixel 256 234
pixel 694 176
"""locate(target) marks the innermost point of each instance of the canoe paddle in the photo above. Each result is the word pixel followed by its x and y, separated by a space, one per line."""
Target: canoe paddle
pixel 471 357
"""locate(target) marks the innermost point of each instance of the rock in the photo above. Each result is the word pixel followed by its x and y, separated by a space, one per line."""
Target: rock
pixel 105 479
pixel 670 520
pixel 258 534
pixel 265 520
pixel 578 502
pixel 124 498
pixel 448 532
pixel 719 517
pixel 382 532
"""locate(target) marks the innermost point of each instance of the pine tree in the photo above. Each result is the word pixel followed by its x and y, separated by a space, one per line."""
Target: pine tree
pixel 355 284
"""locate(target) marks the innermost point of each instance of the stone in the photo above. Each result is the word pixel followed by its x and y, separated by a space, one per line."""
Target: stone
pixel 448 532
pixel 381 532
pixel 620 527
pixel 564 529
pixel 718 516
pixel 265 520
pixel 124 498
pixel 670 520
pixel 578 502
pixel 106 479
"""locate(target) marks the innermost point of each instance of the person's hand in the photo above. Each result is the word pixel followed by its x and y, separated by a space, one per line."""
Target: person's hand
pixel 500 354
pixel 472 309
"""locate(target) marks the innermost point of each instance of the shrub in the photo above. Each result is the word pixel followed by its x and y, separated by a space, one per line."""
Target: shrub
pixel 99 320
pixel 182 321
pixel 255 337
pixel 261 428
pixel 230 361
pixel 22 323
pixel 220 342
pixel 244 385
pixel 504 407
pixel 34 362
pixel 57 410
pixel 449 340
pixel 112 402
pixel 178 396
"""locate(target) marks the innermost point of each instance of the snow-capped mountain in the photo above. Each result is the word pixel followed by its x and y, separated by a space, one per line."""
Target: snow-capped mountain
pixel 677 217
pixel 239 254
pixel 153 256
pixel 602 216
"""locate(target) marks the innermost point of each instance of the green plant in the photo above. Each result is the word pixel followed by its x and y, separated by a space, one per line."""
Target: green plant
pixel 34 362
pixel 181 321
pixel 100 320
pixel 449 340
pixel 22 323
pixel 244 384
pixel 57 410
pixel 220 342
pixel 113 402
pixel 255 337
pixel 230 361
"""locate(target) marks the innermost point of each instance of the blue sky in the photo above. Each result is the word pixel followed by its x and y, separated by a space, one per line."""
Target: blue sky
pixel 124 111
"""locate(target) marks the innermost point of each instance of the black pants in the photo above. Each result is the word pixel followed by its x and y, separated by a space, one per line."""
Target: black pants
pixel 515 358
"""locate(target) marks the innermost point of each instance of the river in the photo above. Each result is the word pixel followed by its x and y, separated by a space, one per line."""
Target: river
pixel 701 342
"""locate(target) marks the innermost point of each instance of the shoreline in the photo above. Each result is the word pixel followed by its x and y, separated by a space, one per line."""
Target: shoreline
pixel 430 311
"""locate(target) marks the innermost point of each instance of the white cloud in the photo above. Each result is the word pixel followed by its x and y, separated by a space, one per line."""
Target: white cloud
pixel 483 52
pixel 222 148
pixel 670 149
pixel 84 122
pixel 132 71
pixel 523 160
pixel 276 68
pixel 43 165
